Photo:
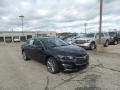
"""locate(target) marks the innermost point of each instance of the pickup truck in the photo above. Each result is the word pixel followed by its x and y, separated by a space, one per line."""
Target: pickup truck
pixel 114 37
pixel 91 39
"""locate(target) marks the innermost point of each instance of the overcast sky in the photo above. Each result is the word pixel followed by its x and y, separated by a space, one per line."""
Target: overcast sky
pixel 58 15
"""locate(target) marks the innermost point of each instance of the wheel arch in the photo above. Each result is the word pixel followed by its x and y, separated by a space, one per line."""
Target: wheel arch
pixel 46 58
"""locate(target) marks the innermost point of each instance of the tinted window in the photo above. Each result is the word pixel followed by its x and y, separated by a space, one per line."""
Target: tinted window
pixel 112 33
pixel 102 35
pixel 106 34
pixel 30 41
pixel 118 34
pixel 90 35
pixel 53 42
pixel 37 43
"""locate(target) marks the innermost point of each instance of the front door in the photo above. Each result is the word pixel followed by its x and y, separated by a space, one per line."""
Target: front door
pixel 38 51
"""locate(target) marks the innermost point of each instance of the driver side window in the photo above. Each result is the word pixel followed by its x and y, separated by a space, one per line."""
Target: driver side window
pixel 30 42
pixel 37 43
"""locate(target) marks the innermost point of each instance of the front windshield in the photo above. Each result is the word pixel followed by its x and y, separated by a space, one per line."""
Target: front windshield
pixel 90 35
pixel 53 42
pixel 61 37
pixel 80 36
pixel 112 33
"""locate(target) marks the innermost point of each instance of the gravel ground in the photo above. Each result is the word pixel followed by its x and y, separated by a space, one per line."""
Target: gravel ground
pixel 103 72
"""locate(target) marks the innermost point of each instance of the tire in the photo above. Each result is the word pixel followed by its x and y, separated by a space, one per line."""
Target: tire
pixel 52 65
pixel 107 43
pixel 92 46
pixel 115 42
pixel 25 56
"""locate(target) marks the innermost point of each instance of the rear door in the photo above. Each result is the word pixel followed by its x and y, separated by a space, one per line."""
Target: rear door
pixel 38 52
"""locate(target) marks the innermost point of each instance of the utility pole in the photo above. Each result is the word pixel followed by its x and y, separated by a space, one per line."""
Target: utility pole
pixel 22 23
pixel 85 27
pixel 100 47
pixel 100 22
pixel 12 35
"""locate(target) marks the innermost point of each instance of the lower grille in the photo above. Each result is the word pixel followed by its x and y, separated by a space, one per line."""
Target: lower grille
pixel 80 41
pixel 81 60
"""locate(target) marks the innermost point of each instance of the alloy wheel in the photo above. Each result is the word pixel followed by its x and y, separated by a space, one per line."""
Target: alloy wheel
pixel 24 55
pixel 107 44
pixel 92 46
pixel 115 42
pixel 51 65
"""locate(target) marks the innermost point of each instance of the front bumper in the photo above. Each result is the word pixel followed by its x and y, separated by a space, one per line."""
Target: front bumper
pixel 73 66
pixel 85 45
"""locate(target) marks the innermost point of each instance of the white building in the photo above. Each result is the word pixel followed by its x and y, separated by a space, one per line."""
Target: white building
pixel 23 36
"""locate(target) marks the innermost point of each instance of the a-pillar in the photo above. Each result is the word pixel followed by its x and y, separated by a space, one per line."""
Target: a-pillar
pixel 4 38
pixel 12 38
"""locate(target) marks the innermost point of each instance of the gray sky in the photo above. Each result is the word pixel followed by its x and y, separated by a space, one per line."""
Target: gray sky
pixel 58 15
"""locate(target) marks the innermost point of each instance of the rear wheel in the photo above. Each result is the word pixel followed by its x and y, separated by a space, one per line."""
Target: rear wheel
pixel 25 56
pixel 52 65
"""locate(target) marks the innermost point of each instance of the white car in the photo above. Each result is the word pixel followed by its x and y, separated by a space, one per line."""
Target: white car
pixel 16 39
pixel 91 39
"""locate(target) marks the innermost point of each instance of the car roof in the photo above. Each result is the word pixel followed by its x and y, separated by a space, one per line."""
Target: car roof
pixel 43 37
pixel 112 32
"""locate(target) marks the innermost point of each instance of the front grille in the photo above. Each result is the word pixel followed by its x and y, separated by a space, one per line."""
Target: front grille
pixel 80 41
pixel 81 60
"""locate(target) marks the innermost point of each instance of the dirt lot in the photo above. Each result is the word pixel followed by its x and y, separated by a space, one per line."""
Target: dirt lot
pixel 103 72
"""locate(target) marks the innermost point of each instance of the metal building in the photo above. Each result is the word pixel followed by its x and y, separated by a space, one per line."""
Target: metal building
pixel 11 36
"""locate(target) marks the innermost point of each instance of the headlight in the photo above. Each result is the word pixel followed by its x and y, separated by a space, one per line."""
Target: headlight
pixel 88 41
pixel 65 57
pixel 112 38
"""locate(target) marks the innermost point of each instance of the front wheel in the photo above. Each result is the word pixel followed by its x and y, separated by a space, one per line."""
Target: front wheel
pixel 92 46
pixel 106 43
pixel 25 56
pixel 52 65
pixel 115 42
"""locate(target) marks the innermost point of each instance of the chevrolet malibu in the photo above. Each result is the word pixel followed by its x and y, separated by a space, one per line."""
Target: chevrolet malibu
pixel 55 54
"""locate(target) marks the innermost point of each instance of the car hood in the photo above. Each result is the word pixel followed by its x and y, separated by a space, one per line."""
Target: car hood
pixel 70 50
pixel 85 38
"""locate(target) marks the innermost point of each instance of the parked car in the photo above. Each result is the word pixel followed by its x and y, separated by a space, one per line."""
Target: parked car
pixel 70 39
pixel 114 37
pixel 8 40
pixel 55 53
pixel 89 41
pixel 16 39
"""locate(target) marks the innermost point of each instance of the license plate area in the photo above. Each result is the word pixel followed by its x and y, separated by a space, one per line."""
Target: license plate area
pixel 81 61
